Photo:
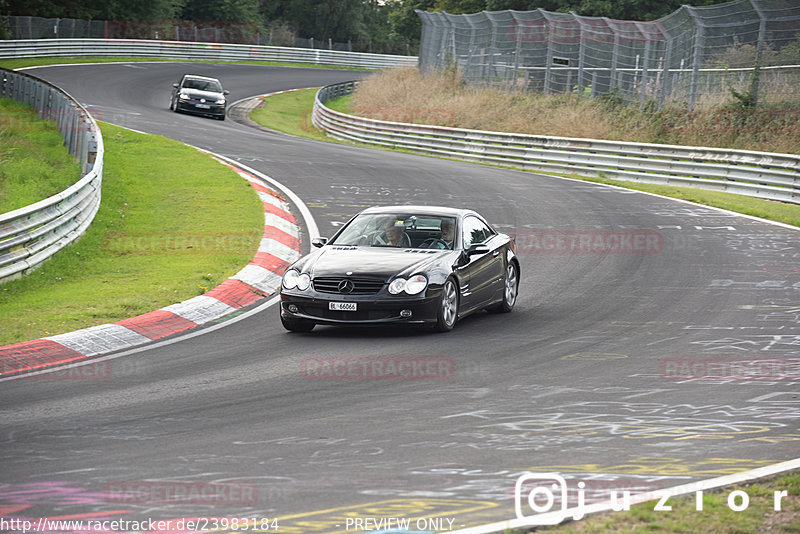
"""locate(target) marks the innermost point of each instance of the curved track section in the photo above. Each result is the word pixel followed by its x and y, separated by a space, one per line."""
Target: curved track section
pixel 623 297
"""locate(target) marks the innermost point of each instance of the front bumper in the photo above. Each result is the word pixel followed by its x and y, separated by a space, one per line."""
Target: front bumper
pixel 371 309
pixel 191 106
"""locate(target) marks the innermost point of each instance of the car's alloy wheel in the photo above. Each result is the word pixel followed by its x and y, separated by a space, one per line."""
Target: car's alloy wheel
pixel 448 307
pixel 510 290
pixel 512 286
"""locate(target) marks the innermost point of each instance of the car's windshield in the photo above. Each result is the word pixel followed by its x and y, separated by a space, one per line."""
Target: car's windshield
pixel 202 85
pixel 406 230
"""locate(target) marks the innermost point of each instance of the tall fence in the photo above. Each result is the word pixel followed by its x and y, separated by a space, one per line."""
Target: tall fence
pixel 32 234
pixel 696 56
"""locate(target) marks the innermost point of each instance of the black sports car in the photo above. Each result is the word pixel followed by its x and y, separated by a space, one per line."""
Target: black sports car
pixel 403 264
pixel 199 94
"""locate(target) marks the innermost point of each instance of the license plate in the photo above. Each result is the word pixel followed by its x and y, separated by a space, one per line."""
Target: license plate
pixel 203 106
pixel 343 306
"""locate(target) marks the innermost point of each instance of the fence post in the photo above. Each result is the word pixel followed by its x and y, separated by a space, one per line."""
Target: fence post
pixel 492 51
pixel 612 83
pixel 645 62
pixel 665 75
pixel 699 38
pixel 581 52
pixel 762 31
pixel 549 60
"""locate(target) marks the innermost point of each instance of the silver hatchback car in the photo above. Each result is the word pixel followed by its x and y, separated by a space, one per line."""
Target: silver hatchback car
pixel 199 94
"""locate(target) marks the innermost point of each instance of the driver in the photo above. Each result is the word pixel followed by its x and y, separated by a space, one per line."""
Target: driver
pixel 445 242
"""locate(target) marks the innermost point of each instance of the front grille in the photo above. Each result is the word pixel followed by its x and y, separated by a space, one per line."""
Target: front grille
pixel 361 286
pixel 361 315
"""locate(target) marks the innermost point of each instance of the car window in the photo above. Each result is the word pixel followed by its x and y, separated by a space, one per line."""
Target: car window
pixel 202 85
pixel 406 230
pixel 475 231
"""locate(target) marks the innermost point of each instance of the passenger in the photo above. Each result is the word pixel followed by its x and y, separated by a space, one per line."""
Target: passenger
pixel 393 235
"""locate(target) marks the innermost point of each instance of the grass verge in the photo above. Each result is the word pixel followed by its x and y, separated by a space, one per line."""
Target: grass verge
pixel 173 223
pixel 291 112
pixel 34 163
pixel 716 515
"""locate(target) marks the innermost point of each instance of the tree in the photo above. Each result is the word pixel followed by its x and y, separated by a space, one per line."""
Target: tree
pixel 228 10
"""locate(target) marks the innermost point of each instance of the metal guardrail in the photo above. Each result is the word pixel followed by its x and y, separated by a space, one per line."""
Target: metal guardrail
pixel 758 174
pixel 30 235
pixel 182 50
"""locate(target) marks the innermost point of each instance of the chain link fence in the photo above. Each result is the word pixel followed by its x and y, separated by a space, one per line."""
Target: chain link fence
pixel 745 50
pixel 20 27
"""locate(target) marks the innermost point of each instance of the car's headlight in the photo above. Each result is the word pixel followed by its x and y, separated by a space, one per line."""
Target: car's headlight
pixel 416 284
pixel 290 279
pixel 220 101
pixel 397 286
pixel 184 96
pixel 303 281
pixel 293 279
pixel 413 286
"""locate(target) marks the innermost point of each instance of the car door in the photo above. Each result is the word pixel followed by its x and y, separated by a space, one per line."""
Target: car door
pixel 484 271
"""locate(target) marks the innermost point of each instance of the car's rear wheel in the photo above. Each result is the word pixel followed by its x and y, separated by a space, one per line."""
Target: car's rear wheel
pixel 448 307
pixel 510 289
pixel 297 325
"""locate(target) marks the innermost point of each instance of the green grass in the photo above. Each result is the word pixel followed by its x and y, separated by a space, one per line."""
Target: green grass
pixel 715 517
pixel 146 247
pixel 34 163
pixel 21 63
pixel 291 112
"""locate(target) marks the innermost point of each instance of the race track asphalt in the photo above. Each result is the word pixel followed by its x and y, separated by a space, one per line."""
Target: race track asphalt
pixel 587 377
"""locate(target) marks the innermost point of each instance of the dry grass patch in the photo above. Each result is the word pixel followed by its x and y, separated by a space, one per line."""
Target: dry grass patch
pixel 443 99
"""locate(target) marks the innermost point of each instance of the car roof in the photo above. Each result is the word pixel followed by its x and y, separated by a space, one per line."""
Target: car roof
pixel 198 77
pixel 423 210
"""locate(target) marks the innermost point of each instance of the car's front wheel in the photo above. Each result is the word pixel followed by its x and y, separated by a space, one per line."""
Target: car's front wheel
pixel 448 307
pixel 297 325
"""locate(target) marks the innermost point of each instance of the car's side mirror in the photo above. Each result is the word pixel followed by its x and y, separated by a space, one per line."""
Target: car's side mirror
pixel 226 92
pixel 175 85
pixel 319 241
pixel 477 249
